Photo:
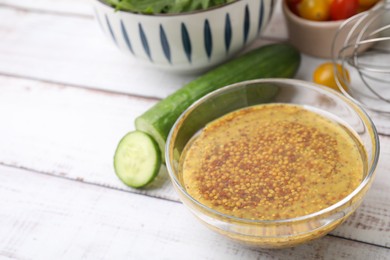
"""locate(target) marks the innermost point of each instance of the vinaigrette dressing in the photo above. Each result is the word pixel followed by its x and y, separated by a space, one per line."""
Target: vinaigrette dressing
pixel 272 162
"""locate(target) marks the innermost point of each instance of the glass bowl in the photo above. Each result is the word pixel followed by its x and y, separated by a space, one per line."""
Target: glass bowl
pixel 282 232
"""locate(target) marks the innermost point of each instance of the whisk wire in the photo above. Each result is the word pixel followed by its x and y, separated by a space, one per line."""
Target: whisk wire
pixel 363 31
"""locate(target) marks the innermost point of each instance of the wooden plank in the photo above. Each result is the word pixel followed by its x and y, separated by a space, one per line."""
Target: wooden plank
pixel 71 220
pixel 371 222
pixel 72 50
pixel 72 133
pixel 61 7
pixel 67 131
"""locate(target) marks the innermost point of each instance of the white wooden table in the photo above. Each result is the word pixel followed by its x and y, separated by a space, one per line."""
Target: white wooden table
pixel 67 96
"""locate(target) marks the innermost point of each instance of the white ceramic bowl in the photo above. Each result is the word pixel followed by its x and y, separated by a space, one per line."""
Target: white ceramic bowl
pixel 311 37
pixel 188 42
pixel 316 38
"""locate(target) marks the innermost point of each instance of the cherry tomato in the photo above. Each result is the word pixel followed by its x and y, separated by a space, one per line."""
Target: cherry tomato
pixel 293 5
pixel 363 8
pixel 325 75
pixel 316 10
pixel 343 9
pixel 367 3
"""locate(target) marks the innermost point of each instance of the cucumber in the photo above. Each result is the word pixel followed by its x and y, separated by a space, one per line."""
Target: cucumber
pixel 271 61
pixel 137 159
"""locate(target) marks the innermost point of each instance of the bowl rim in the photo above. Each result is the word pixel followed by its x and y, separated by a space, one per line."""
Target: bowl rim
pixel 171 14
pixel 306 84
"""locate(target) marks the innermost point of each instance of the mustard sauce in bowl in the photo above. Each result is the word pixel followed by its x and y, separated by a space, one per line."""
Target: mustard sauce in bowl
pixel 271 162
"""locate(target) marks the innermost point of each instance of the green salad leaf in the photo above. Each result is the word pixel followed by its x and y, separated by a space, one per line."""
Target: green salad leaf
pixel 164 6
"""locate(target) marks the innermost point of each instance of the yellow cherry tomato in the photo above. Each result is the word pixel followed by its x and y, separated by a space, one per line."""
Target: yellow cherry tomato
pixel 315 10
pixel 329 2
pixel 325 75
pixel 367 3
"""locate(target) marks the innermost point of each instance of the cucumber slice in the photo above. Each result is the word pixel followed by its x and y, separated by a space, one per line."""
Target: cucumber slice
pixel 137 159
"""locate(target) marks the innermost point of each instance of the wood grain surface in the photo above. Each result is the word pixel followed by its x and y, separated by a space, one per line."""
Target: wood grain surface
pixel 91 222
pixel 67 96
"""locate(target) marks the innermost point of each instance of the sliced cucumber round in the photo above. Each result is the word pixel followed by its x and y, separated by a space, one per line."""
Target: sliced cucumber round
pixel 137 159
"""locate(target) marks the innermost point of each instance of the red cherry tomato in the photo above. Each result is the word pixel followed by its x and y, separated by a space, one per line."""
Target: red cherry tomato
pixel 293 5
pixel 343 9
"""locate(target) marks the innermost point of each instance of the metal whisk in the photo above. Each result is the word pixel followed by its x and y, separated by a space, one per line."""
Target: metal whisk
pixel 362 47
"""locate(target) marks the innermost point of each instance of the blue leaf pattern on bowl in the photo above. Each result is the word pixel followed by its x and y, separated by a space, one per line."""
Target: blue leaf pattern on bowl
pixel 205 43
pixel 98 19
pixel 228 32
pixel 165 44
pixel 246 23
pixel 208 39
pixel 185 38
pixel 126 37
pixel 261 14
pixel 144 42
pixel 110 29
pixel 271 9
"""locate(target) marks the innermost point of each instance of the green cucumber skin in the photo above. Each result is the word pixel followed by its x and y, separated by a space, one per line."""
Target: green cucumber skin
pixel 270 61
